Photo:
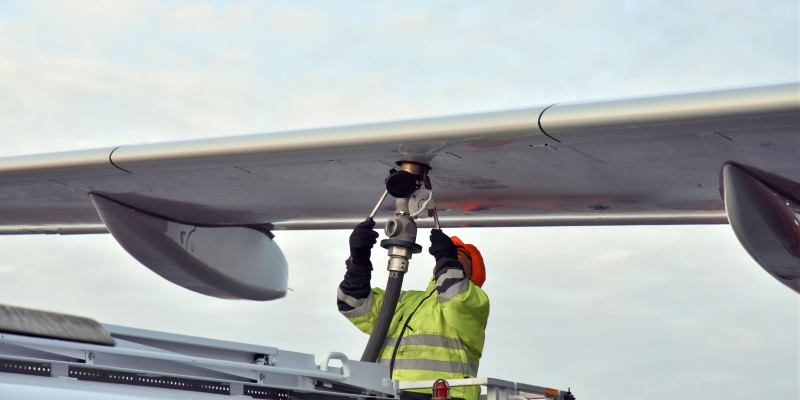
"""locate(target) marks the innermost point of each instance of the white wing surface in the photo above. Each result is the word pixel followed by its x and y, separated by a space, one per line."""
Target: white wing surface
pixel 642 160
pixel 201 213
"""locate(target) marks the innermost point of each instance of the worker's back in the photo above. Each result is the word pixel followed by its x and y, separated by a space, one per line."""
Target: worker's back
pixel 431 347
pixel 438 333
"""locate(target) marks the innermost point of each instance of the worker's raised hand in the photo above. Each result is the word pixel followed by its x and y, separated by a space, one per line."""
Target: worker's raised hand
pixel 442 246
pixel 361 241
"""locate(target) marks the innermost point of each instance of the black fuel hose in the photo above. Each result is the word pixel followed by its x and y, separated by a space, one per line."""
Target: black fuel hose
pixel 385 315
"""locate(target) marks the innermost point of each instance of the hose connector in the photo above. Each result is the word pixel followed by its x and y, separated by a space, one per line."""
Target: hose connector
pixel 398 263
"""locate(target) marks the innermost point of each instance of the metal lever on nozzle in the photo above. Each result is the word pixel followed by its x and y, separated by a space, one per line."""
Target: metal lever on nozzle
pixel 375 210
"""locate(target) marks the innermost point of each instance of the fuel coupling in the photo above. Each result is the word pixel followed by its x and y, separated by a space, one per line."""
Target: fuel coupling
pixel 402 236
pixel 401 230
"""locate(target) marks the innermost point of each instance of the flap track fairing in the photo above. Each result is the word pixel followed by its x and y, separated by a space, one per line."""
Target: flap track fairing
pixel 225 262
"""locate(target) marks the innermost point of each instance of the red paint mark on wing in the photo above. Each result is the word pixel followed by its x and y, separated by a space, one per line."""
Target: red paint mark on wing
pixel 489 145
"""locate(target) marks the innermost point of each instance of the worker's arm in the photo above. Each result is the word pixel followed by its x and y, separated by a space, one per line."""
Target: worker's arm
pixel 464 305
pixel 355 299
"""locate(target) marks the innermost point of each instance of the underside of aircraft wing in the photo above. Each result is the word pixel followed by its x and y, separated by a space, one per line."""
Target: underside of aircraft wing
pixel 639 160
pixel 645 160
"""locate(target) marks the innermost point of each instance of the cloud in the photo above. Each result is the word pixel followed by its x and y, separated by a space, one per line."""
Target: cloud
pixel 614 312
pixel 564 313
pixel 124 72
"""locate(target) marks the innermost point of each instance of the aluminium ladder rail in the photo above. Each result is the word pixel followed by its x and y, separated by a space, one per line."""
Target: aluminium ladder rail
pixel 498 389
pixel 158 364
pixel 165 362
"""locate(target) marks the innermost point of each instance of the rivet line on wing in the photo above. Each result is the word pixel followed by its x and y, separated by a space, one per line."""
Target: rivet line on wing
pixel 540 123
pixel 112 161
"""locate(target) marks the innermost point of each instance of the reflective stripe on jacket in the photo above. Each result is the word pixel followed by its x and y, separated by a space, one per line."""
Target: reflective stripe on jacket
pixel 445 335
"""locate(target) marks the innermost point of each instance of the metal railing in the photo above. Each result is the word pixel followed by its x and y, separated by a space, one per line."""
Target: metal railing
pixel 497 389
pixel 169 361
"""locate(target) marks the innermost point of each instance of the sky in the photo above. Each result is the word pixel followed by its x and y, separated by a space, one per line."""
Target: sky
pixel 612 312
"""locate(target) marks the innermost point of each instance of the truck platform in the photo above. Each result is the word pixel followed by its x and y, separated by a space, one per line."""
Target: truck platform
pixel 129 363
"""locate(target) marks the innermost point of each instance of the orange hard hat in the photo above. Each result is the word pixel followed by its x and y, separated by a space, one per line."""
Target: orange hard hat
pixel 478 269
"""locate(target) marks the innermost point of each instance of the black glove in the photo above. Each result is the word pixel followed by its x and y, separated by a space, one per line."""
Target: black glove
pixel 442 246
pixel 361 241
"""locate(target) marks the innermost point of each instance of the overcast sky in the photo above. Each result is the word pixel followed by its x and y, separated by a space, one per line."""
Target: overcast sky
pixel 613 312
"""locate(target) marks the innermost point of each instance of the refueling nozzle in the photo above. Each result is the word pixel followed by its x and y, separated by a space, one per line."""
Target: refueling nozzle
pixel 402 233
pixel 401 230
pixel 403 182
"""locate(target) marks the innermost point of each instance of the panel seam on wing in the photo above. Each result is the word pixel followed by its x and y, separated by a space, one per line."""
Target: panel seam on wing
pixel 112 161
pixel 539 121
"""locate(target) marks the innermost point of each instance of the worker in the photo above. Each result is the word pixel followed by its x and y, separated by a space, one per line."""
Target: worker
pixel 438 333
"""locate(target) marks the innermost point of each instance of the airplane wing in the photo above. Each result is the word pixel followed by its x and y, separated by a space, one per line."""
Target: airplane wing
pixel 639 160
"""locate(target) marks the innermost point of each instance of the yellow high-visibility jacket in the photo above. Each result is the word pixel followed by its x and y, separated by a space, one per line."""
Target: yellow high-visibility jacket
pixel 446 327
